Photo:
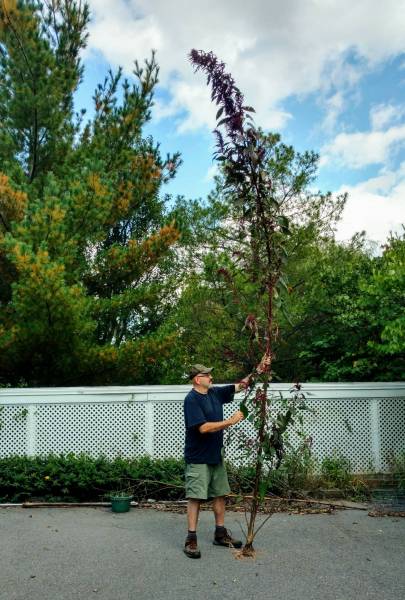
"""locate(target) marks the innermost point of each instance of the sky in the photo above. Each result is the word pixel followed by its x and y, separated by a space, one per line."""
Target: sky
pixel 328 75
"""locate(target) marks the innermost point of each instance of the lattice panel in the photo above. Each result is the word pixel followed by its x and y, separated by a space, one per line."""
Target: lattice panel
pixel 364 429
pixel 350 434
pixel 168 429
pixel 335 425
pixel 392 428
pixel 116 429
pixel 13 430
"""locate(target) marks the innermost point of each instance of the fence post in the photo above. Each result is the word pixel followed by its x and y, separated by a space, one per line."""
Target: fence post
pixel 31 430
pixel 375 433
pixel 149 426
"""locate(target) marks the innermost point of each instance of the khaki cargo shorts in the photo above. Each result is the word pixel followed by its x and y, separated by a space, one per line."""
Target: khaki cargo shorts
pixel 206 481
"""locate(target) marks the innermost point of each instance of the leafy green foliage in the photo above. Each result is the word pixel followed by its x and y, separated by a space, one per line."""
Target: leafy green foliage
pixel 384 300
pixel 87 246
pixel 328 334
pixel 83 478
pixel 336 470
pixel 297 472
pixel 339 319
pixel 75 478
pixel 40 69
pixel 345 318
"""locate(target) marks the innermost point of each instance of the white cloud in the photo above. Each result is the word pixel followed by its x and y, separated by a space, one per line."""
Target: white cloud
pixel 357 150
pixel 122 35
pixel 385 114
pixel 274 50
pixel 376 205
pixel 212 172
pixel 374 147
pixel 188 97
pixel 334 106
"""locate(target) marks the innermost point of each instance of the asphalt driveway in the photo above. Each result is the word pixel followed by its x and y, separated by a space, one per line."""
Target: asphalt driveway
pixel 91 553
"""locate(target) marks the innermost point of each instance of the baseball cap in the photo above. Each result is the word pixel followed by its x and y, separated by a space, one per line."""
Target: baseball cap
pixel 199 369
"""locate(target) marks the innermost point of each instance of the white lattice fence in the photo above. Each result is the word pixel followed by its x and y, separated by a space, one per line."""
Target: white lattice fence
pixel 363 421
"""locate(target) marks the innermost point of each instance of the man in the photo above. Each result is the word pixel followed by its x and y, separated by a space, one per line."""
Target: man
pixel 206 475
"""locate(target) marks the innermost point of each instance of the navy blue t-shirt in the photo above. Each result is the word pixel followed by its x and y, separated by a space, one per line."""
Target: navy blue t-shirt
pixel 205 448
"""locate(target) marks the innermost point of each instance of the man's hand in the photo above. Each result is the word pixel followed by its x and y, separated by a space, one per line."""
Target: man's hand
pixel 242 384
pixel 236 417
pixel 261 368
pixel 264 364
pixel 212 427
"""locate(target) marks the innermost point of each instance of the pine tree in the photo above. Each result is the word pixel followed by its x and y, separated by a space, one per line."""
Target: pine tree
pixel 87 259
pixel 40 69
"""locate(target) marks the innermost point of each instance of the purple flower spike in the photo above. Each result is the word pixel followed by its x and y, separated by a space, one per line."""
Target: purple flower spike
pixel 224 93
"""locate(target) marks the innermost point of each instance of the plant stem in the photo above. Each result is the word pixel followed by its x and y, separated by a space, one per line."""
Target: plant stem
pixel 258 471
pixel 248 547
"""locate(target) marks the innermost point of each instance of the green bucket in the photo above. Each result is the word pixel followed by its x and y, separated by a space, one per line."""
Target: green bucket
pixel 120 504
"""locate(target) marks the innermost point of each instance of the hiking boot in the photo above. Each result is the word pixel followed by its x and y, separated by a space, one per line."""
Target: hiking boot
pixel 191 549
pixel 226 540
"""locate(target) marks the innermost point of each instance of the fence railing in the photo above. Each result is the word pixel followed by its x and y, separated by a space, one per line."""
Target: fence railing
pixel 363 421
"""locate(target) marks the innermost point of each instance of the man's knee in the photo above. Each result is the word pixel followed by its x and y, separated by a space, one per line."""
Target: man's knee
pixel 194 501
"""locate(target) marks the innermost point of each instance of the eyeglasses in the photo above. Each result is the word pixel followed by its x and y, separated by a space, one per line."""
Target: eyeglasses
pixel 204 375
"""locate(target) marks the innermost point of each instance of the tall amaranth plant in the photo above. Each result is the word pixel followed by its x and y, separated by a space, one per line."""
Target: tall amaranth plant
pixel 261 235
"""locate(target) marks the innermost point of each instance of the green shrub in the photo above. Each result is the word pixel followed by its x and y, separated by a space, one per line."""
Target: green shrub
pixel 241 479
pixel 296 472
pixel 82 478
pixel 78 478
pixel 336 471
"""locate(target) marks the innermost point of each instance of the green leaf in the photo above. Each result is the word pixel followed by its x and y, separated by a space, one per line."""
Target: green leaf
pixel 283 221
pixel 286 314
pixel 244 409
pixel 282 282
